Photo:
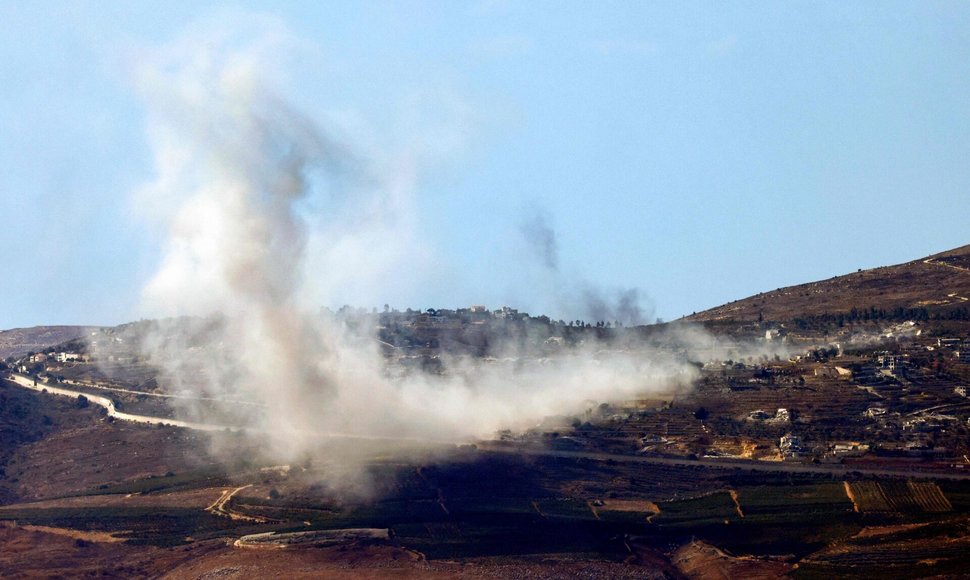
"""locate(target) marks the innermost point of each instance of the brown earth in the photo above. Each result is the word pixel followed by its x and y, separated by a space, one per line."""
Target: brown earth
pixel 35 553
pixel 193 498
pixel 96 537
pixel 936 549
pixel 384 561
pixel 876 531
pixel 81 458
pixel 337 562
pixel 938 283
pixel 26 418
pixel 700 560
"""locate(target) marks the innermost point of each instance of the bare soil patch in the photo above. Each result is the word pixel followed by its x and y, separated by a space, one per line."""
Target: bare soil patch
pixel 701 560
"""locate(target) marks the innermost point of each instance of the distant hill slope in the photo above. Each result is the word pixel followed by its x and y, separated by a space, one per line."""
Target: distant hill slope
pixel 938 284
pixel 20 341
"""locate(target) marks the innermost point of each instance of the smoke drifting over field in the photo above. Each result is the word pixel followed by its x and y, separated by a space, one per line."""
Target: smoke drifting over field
pixel 244 184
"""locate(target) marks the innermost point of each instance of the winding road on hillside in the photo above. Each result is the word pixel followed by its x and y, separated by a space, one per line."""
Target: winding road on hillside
pixel 30 383
pixel 494 447
pixel 933 262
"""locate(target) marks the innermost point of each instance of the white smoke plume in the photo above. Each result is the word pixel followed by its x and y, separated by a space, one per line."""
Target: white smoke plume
pixel 248 192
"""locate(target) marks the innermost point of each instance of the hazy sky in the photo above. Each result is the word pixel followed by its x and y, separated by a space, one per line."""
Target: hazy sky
pixel 700 153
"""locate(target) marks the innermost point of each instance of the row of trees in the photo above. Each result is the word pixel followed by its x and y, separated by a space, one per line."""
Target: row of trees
pixel 872 314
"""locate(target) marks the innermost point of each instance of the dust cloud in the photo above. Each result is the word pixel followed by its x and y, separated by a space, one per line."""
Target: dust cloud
pixel 247 192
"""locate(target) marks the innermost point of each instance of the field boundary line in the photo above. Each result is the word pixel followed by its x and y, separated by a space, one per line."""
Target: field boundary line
pixel 737 504
pixel 851 496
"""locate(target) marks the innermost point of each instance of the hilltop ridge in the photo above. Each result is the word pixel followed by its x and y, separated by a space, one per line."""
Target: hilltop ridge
pixel 934 286
pixel 19 341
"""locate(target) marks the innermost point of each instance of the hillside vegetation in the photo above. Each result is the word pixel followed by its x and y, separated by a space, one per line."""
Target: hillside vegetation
pixel 936 287
pixel 17 342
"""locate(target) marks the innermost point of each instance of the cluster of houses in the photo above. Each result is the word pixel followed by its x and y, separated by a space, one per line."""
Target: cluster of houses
pixel 959 347
pixel 24 364
pixel 445 318
pixel 887 373
pixel 790 446
pixel 61 357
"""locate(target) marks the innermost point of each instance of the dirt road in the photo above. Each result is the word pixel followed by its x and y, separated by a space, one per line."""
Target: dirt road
pixel 945 265
pixel 220 507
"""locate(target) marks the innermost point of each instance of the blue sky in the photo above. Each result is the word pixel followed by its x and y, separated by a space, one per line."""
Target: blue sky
pixel 700 152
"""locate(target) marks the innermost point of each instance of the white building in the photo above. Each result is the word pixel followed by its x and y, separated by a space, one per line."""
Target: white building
pixel 790 445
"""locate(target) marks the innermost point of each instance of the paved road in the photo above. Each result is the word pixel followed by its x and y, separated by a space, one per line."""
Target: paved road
pixel 30 383
pixel 773 467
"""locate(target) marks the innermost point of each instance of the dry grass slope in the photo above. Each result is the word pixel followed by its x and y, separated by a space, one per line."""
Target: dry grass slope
pixel 20 341
pixel 937 283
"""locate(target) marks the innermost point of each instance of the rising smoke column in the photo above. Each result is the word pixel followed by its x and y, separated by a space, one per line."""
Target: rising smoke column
pixel 233 163
pixel 575 296
pixel 236 171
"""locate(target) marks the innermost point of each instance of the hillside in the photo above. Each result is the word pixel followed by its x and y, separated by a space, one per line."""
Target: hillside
pixel 19 341
pixel 26 418
pixel 843 464
pixel 937 285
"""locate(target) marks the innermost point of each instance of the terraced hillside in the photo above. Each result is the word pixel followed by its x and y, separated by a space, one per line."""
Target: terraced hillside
pixel 931 286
